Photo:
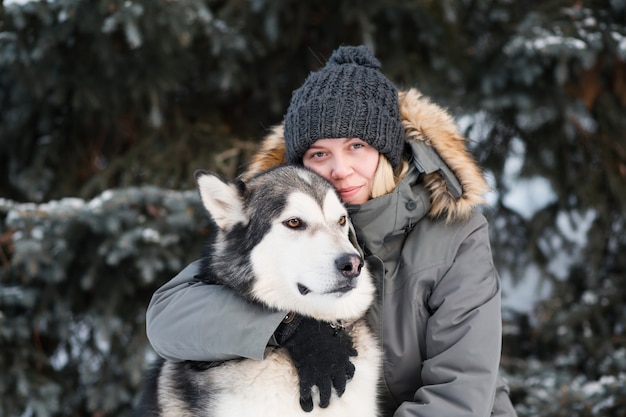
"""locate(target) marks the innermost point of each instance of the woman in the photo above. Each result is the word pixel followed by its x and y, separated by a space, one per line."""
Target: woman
pixel 413 191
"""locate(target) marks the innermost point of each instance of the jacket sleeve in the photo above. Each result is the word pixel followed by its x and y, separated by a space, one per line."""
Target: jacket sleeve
pixel 190 320
pixel 464 331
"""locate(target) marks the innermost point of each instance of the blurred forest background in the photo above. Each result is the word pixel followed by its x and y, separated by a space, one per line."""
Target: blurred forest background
pixel 107 108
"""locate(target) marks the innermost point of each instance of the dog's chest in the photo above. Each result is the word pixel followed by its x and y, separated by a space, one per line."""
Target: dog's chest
pixel 250 388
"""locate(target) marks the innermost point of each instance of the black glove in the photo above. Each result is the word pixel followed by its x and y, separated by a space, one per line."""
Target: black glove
pixel 321 354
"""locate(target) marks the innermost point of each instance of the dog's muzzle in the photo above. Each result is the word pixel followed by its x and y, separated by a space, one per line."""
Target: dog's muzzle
pixel 349 267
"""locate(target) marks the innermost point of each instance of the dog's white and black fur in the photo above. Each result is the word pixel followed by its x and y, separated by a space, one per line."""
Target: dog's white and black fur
pixel 283 240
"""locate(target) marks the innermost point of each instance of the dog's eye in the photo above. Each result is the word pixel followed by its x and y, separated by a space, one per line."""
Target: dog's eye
pixel 343 220
pixel 293 223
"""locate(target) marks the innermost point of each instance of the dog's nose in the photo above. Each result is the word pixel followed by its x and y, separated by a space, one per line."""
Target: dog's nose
pixel 349 265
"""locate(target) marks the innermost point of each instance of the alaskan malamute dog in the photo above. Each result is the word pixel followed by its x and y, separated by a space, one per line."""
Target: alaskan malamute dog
pixel 284 240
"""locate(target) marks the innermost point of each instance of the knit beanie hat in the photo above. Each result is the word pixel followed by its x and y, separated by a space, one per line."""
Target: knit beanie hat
pixel 348 98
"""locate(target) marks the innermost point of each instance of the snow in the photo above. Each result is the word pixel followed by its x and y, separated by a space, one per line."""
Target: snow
pixel 520 294
pixel 573 228
pixel 524 195
pixel 620 39
pixel 544 43
pixel 547 42
pixel 150 235
pixel 528 196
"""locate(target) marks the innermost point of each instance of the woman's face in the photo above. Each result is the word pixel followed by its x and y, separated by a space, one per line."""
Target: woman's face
pixel 348 163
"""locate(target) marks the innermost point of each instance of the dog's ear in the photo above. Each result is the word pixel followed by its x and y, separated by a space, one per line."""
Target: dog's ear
pixel 222 199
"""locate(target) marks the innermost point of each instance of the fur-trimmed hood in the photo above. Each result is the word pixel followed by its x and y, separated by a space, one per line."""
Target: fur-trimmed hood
pixel 455 182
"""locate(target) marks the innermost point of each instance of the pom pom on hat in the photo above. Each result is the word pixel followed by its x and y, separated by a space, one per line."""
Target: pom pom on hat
pixel 359 55
pixel 348 98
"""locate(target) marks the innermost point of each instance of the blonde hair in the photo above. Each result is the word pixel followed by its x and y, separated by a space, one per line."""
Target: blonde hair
pixel 385 178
